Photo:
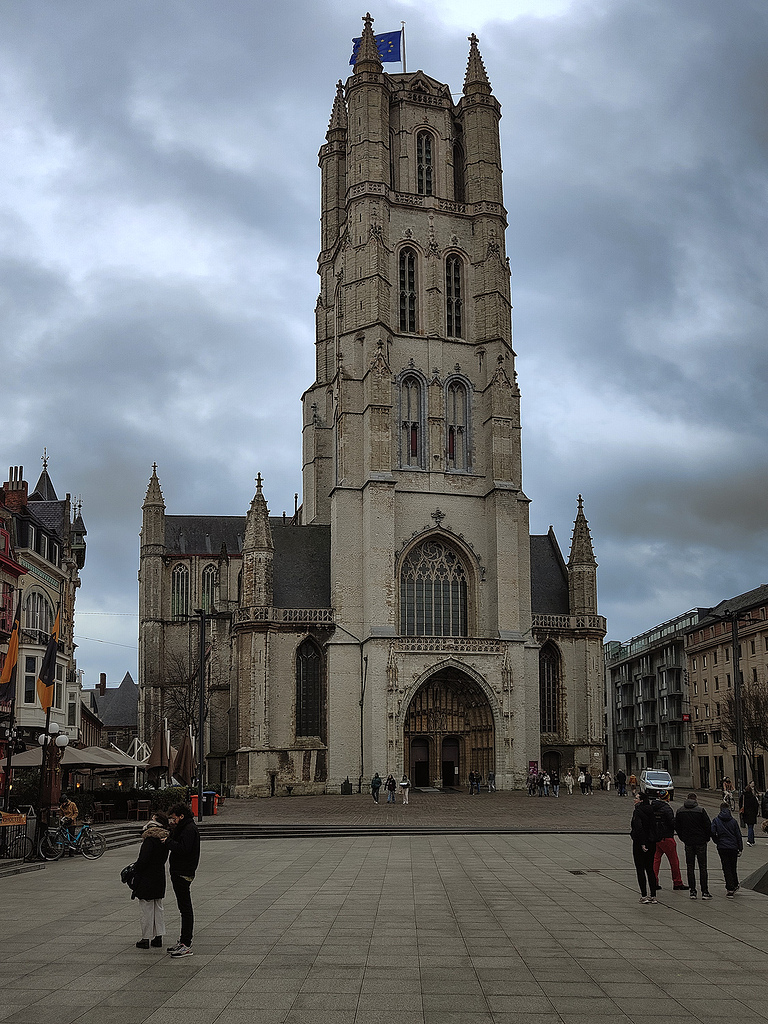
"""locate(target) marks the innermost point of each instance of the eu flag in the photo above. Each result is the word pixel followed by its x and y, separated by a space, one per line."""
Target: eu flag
pixel 388 45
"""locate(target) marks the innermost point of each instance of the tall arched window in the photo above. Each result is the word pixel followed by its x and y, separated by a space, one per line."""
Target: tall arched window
pixel 458 172
pixel 424 163
pixel 433 591
pixel 309 689
pixel 412 419
pixel 550 689
pixel 208 583
pixel 38 613
pixel 456 426
pixel 453 319
pixel 407 276
pixel 180 592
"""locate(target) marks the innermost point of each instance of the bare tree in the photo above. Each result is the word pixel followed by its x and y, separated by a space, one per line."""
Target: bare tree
pixel 182 693
pixel 754 718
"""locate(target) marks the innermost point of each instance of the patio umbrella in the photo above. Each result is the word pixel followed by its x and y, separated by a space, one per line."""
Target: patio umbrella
pixel 160 757
pixel 184 765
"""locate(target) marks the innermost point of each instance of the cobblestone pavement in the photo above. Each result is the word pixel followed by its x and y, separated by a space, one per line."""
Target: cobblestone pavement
pixel 601 812
pixel 437 929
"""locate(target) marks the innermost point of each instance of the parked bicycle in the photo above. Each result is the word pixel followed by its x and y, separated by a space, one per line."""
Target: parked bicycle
pixel 15 844
pixel 58 840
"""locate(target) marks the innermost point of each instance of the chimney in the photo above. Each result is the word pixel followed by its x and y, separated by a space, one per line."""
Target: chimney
pixel 15 489
pixel 103 683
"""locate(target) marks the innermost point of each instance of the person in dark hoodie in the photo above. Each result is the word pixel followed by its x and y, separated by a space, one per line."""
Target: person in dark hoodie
pixel 184 845
pixel 727 836
pixel 149 881
pixel 643 833
pixel 750 808
pixel 693 826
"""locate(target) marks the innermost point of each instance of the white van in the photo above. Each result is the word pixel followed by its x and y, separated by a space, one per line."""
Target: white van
pixel 657 783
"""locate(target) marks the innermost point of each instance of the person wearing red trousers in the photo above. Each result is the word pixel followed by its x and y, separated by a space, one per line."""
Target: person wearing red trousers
pixel 665 842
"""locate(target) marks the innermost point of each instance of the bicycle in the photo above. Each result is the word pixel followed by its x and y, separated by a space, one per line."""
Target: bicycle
pixel 56 841
pixel 17 847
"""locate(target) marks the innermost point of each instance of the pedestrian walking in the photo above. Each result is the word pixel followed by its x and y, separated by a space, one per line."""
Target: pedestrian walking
pixel 184 846
pixel 727 836
pixel 391 787
pixel 375 787
pixel 588 782
pixel 608 781
pixel 491 782
pixel 728 794
pixel 643 834
pixel 569 781
pixel 750 808
pixel 532 782
pixel 665 843
pixel 405 785
pixel 471 780
pixel 582 780
pixel 547 781
pixel 149 881
pixel 693 826
pixel 555 781
pixel 601 780
pixel 540 784
pixel 632 780
pixel 621 783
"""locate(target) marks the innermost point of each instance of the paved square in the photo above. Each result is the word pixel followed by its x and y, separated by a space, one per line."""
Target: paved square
pixel 403 929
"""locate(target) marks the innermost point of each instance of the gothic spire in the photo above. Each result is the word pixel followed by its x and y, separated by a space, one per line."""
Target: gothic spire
pixel 338 120
pixel 582 552
pixel 154 494
pixel 368 55
pixel 476 79
pixel 258 535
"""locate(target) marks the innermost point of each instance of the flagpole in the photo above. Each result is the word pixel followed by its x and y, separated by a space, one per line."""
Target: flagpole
pixel 10 675
pixel 9 756
pixel 402 33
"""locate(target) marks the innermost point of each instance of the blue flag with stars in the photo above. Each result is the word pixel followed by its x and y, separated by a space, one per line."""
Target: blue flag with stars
pixel 388 45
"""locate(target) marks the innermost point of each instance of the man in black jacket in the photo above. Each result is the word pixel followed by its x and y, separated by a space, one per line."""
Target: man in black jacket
pixel 693 826
pixel 184 844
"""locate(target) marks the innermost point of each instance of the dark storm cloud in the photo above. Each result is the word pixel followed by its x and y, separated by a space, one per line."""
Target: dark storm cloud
pixel 159 232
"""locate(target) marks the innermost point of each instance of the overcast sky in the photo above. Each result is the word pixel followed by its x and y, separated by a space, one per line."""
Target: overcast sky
pixel 159 204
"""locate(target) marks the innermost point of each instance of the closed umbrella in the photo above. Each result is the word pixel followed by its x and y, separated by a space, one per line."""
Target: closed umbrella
pixel 184 768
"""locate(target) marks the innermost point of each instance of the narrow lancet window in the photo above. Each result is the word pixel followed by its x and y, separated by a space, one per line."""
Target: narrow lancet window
pixel 424 165
pixel 453 269
pixel 407 266
pixel 456 424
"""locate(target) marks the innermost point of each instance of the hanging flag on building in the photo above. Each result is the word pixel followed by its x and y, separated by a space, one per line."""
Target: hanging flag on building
pixel 47 678
pixel 8 675
pixel 388 45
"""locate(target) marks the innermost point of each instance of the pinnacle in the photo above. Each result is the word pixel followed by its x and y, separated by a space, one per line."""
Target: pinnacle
pixel 368 55
pixel 582 551
pixel 258 533
pixel 338 119
pixel 154 494
pixel 476 79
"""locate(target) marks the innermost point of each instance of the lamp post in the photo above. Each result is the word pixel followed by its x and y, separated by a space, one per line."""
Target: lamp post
pixel 53 742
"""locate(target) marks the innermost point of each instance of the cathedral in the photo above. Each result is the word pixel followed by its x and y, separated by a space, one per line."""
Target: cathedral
pixel 403 619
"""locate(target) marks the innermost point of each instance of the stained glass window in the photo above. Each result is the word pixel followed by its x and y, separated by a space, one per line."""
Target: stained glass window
pixel 433 592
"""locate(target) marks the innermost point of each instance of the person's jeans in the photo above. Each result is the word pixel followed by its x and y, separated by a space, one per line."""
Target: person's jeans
pixel 556 790
pixel 644 866
pixel 750 833
pixel 181 887
pixel 697 852
pixel 729 858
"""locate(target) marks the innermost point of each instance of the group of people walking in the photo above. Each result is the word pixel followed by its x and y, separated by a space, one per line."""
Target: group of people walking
pixel 653 829
pixel 171 837
pixel 391 786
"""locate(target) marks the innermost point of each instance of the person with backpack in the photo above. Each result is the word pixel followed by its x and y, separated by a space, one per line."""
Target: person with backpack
pixel 727 836
pixel 693 826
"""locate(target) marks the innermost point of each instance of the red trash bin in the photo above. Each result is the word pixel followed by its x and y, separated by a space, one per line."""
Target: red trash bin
pixel 193 802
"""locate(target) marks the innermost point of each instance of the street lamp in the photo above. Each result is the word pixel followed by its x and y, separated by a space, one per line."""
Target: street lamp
pixel 53 742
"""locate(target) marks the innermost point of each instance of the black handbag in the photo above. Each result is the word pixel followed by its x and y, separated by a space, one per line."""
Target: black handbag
pixel 128 874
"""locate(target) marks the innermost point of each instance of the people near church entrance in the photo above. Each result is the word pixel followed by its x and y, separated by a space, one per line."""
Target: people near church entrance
pixel 583 782
pixel 569 781
pixel 532 776
pixel 491 782
pixel 665 843
pixel 608 780
pixel 588 783
pixel 727 836
pixel 149 880
pixel 632 780
pixel 547 781
pixel 555 782
pixel 601 780
pixel 375 787
pixel 391 787
pixel 728 793
pixel 184 846
pixel 643 834
pixel 67 811
pixel 540 784
pixel 750 808
pixel 693 826
pixel 405 785
pixel 621 783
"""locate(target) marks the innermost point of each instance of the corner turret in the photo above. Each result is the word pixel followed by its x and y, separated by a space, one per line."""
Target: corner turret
pixel 582 568
pixel 258 551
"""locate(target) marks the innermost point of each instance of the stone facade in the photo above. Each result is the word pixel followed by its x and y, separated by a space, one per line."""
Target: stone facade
pixel 397 622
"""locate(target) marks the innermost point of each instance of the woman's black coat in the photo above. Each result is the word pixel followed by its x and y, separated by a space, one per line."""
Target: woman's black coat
pixel 149 876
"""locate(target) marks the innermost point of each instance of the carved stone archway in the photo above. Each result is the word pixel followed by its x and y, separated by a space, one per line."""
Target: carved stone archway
pixel 448 730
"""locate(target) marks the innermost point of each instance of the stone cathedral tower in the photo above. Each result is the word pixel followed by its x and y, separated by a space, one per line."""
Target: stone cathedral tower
pixel 404 620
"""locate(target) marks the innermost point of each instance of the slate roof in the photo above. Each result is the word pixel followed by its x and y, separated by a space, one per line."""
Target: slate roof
pixel 743 602
pixel 549 576
pixel 302 554
pixel 119 705
pixel 49 514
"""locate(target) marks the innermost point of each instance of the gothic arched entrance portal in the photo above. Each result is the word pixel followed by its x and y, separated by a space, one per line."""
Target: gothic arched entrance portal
pixel 448 730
